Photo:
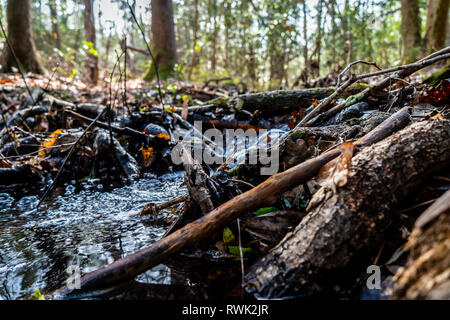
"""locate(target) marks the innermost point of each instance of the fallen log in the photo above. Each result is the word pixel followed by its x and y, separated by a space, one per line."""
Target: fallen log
pixel 426 274
pixel 263 195
pixel 19 175
pixel 276 102
pixel 342 232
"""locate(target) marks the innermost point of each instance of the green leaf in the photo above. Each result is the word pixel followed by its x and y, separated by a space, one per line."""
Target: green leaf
pixel 246 251
pixel 37 295
pixel 264 211
pixel 74 72
pixel 239 104
pixel 228 236
pixel 88 44
pixel 93 52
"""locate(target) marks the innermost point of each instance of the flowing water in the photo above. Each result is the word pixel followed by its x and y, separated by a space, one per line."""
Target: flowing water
pixel 84 228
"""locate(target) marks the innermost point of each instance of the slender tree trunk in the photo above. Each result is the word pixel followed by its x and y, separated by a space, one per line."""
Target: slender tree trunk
pixel 332 11
pixel 305 49
pixel 194 42
pixel 437 25
pixel 411 40
pixel 163 38
pixel 55 28
pixel 227 34
pixel 348 32
pixel 21 38
pixel 89 29
pixel 319 35
pixel 214 37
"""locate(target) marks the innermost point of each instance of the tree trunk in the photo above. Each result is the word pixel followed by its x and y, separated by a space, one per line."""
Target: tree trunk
pixel 411 40
pixel 437 25
pixel 54 15
pixel 319 35
pixel 214 37
pixel 163 38
pixel 21 38
pixel 344 230
pixel 89 29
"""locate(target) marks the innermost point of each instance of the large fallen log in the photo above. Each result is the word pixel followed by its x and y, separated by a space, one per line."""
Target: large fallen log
pixel 427 272
pixel 275 102
pixel 265 194
pixel 345 230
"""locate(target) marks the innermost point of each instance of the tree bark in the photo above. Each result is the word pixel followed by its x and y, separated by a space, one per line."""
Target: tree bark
pixel 341 233
pixel 163 38
pixel 89 29
pixel 278 101
pixel 411 40
pixel 194 41
pixel 21 38
pixel 426 274
pixel 54 15
pixel 437 25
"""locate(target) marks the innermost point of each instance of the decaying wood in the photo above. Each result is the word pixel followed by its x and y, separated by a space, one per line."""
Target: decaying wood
pixel 197 182
pixel 427 272
pixel 153 208
pixel 19 175
pixel 274 102
pixel 349 226
pixel 265 194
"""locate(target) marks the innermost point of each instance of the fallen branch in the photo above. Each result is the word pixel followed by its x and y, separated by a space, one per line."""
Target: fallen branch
pixel 152 208
pixel 349 225
pixel 122 131
pixel 405 71
pixel 265 194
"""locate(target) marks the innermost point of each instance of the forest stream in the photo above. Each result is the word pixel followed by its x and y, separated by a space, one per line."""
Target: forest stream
pixel 89 227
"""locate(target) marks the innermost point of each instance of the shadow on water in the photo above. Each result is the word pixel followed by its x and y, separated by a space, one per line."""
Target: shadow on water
pixel 89 228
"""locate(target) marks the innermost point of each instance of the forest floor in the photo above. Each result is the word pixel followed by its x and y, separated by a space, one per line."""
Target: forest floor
pixel 345 196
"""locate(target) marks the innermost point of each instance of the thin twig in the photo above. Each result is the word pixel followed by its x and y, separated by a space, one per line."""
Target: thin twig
pixel 351 65
pixel 416 206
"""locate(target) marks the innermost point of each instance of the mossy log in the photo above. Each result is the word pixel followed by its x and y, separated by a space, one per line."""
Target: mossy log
pixel 347 228
pixel 277 102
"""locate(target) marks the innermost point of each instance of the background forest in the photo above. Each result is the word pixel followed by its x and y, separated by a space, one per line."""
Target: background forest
pixel 256 44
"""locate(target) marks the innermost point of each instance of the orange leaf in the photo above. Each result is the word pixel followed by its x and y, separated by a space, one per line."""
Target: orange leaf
pixel 163 135
pixel 49 142
pixel 148 156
